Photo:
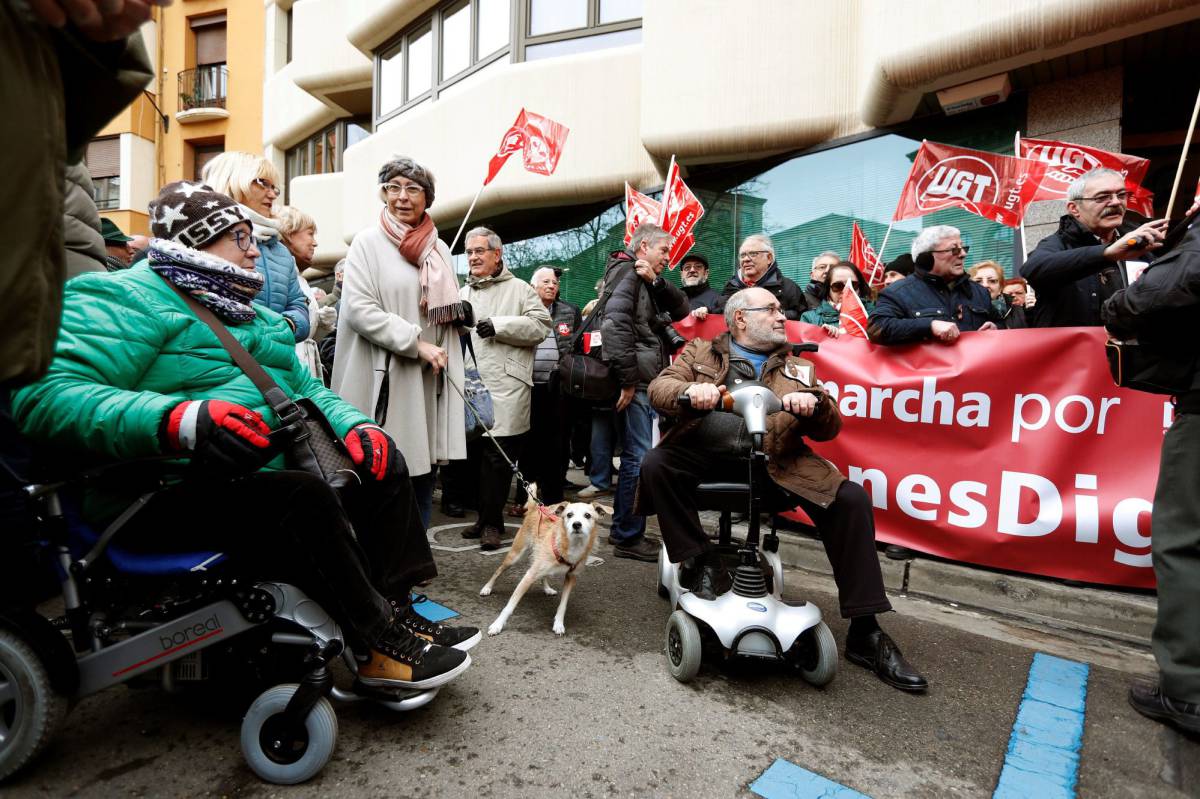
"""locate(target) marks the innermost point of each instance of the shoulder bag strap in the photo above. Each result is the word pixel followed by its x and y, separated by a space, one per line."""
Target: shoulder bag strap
pixel 595 314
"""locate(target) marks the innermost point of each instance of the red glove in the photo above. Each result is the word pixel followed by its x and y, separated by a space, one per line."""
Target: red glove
pixel 223 436
pixel 373 451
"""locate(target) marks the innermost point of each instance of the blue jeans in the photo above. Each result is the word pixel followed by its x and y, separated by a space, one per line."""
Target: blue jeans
pixel 604 436
pixel 638 421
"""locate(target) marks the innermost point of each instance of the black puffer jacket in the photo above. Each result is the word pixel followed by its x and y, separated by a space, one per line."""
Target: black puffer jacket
pixel 629 333
pixel 703 295
pixel 906 310
pixel 785 290
pixel 1071 276
pixel 1162 311
pixel 564 323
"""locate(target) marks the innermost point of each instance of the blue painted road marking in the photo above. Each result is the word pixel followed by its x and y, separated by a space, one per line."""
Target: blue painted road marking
pixel 433 611
pixel 784 780
pixel 1043 752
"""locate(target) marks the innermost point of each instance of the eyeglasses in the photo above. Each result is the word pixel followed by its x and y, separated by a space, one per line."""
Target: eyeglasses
pixel 956 251
pixel 838 285
pixel 266 185
pixel 1105 198
pixel 476 251
pixel 751 254
pixel 413 190
pixel 772 308
pixel 243 239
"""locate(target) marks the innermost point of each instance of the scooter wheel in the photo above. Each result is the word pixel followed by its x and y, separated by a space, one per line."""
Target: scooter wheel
pixel 819 662
pixel 280 752
pixel 683 646
pixel 30 709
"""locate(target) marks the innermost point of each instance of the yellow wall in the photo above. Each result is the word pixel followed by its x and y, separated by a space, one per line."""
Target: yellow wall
pixel 138 118
pixel 131 223
pixel 245 31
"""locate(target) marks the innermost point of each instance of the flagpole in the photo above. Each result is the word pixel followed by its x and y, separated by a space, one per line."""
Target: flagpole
pixel 882 247
pixel 465 218
pixel 662 213
pixel 1017 153
pixel 1187 143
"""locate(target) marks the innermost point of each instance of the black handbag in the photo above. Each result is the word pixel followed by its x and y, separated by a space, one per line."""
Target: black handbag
pixel 585 376
pixel 312 446
pixel 1132 366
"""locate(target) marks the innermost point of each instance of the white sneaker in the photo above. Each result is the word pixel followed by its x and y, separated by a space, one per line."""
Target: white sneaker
pixel 592 491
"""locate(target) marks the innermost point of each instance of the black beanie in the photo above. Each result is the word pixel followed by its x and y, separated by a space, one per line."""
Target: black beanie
pixel 192 213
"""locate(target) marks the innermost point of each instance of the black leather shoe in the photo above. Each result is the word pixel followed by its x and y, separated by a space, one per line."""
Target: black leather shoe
pixel 453 510
pixel 473 531
pixel 640 548
pixel 1149 700
pixel 879 653
pixel 714 580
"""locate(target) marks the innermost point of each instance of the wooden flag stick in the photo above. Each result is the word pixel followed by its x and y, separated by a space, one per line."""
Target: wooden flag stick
pixel 466 217
pixel 1187 143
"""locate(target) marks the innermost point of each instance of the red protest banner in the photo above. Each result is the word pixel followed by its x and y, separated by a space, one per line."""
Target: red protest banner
pixel 1066 161
pixel 638 209
pixel 852 317
pixel 862 255
pixel 540 140
pixel 1010 449
pixel 996 187
pixel 680 215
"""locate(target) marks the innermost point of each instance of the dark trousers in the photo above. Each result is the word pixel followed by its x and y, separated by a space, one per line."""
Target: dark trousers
pixel 542 459
pixel 291 526
pixel 668 483
pixel 494 476
pixel 1175 548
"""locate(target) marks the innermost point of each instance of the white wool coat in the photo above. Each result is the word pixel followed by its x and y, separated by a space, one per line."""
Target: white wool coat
pixel 506 359
pixel 380 313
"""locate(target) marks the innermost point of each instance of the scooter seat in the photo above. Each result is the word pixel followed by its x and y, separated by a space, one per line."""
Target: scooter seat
pixel 137 563
pixel 722 496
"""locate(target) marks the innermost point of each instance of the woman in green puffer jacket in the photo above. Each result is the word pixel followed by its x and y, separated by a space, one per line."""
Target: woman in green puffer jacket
pixel 828 313
pixel 137 373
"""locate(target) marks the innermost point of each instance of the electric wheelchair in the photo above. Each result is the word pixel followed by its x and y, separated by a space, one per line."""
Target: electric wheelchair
pixel 172 618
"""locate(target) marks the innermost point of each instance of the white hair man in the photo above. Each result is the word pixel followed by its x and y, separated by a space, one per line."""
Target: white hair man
pixel 814 292
pixel 940 302
pixel 1093 254
pixel 756 348
pixel 512 321
pixel 757 267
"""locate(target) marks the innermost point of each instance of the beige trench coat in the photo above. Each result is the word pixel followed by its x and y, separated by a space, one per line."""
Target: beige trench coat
pixel 380 313
pixel 506 359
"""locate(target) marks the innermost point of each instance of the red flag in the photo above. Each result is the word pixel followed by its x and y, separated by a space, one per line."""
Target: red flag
pixel 862 255
pixel 540 140
pixel 996 187
pixel 1066 161
pixel 681 212
pixel 853 314
pixel 638 209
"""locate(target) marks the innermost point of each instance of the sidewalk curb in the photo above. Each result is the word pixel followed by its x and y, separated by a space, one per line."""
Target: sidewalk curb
pixel 1117 615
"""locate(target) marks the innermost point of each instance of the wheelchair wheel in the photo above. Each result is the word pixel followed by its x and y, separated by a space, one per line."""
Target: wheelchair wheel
pixel 819 659
pixel 684 648
pixel 30 709
pixel 275 750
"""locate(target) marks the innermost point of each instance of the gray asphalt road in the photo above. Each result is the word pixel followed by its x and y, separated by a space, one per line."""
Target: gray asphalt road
pixel 595 714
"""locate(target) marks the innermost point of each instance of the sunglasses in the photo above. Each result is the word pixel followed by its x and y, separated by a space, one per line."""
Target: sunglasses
pixel 838 285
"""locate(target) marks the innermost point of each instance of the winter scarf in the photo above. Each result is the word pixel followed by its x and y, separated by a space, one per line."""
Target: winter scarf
pixel 215 283
pixel 418 246
pixel 769 278
pixel 265 228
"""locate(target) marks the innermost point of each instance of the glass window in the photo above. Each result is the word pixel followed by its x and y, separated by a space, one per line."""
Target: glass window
pixel 583 44
pixel 107 193
pixel 332 153
pixel 391 75
pixel 357 131
pixel 456 40
pixel 551 16
pixel 420 63
pixel 493 26
pixel 619 10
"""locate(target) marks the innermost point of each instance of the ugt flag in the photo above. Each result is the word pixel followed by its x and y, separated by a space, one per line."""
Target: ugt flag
pixel 638 209
pixel 996 187
pixel 1066 161
pixel 679 214
pixel 852 316
pixel 862 255
pixel 540 140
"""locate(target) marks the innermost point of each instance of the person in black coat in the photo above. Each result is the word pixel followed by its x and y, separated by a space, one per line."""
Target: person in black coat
pixel 1079 266
pixel 702 298
pixel 938 301
pixel 757 267
pixel 1161 310
pixel 814 292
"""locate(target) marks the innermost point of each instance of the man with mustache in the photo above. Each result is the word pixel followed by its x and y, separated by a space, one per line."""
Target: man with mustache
pixel 1093 254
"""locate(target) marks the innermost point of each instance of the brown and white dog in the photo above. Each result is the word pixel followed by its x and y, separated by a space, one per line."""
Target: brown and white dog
pixel 559 540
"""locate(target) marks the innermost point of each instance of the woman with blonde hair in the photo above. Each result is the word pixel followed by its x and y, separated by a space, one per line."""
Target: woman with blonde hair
pixel 253 182
pixel 298 231
pixel 398 336
pixel 990 275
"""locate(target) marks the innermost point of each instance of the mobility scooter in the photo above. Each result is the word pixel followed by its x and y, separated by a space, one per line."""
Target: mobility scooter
pixel 751 619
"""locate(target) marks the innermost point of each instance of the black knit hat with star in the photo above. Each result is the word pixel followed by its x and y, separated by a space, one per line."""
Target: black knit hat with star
pixel 192 213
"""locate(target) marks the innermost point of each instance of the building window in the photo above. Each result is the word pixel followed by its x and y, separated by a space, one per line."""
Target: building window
pixel 553 28
pixel 289 36
pixel 202 154
pixel 321 152
pixel 103 162
pixel 206 85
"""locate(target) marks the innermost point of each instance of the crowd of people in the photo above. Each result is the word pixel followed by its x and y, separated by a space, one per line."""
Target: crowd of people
pixel 136 370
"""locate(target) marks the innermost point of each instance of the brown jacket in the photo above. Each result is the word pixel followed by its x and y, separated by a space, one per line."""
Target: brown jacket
pixel 792 464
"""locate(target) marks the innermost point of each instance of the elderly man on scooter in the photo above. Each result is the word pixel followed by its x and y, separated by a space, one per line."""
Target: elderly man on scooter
pixel 756 348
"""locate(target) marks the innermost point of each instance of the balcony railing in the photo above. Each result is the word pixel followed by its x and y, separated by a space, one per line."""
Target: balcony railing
pixel 203 87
